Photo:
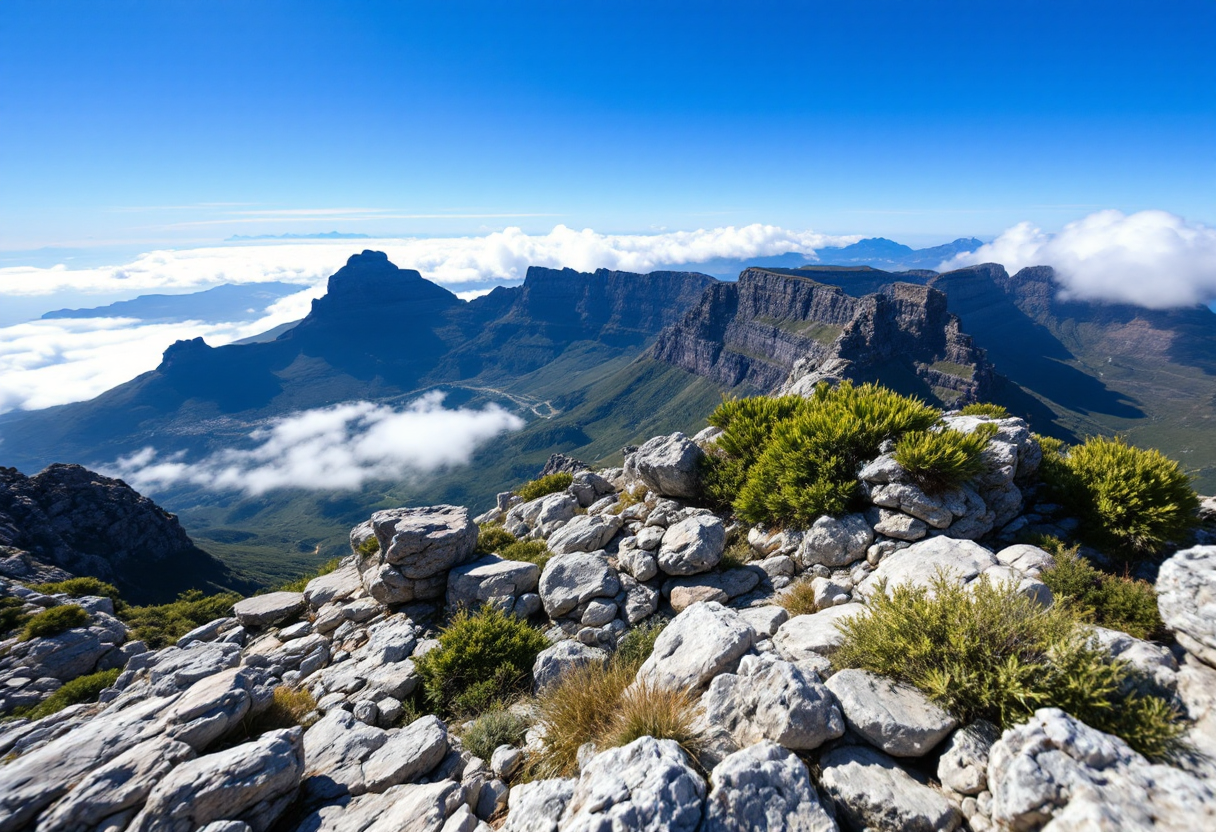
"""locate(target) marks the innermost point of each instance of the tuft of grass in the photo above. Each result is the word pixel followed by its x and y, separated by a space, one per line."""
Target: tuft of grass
pixel 638 643
pixel 160 625
pixel 738 551
pixel 289 706
pixel 986 651
pixel 1131 501
pixel 798 598
pixel 53 621
pixel 79 588
pixel 1112 601
pixel 530 551
pixel 81 689
pixel 994 411
pixel 12 615
pixel 550 484
pixel 492 538
pixel 492 729
pixel 300 583
pixel 368 547
pixel 941 459
pixel 646 710
pixel 484 659
pixel 624 500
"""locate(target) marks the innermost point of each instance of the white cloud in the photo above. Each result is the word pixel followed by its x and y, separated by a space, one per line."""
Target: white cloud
pixel 1151 258
pixel 333 448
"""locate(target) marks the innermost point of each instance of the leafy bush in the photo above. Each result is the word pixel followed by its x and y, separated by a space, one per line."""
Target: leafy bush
pixel 799 598
pixel 53 621
pixel 550 484
pixel 81 689
pixel 941 459
pixel 1119 603
pixel 301 582
pixel 994 411
pixel 160 625
pixel 492 729
pixel 79 588
pixel 12 616
pixel 1129 500
pixel 484 658
pixel 492 538
pixel 986 651
pixel 789 460
pixel 368 547
pixel 638 643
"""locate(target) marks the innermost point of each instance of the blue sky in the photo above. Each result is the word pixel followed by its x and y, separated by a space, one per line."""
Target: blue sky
pixel 170 123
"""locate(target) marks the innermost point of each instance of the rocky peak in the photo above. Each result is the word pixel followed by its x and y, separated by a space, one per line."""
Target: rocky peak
pixel 370 285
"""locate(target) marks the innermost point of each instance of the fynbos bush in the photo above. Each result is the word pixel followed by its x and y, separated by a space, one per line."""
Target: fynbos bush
pixel 941 459
pixel 550 484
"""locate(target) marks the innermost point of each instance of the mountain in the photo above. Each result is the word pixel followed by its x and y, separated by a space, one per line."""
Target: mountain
pixel 882 253
pixel 70 518
pixel 233 302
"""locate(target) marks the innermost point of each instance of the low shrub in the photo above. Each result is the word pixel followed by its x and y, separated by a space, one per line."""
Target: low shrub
pixel 994 411
pixel 624 500
pixel 638 643
pixel 1130 501
pixel 799 598
pixel 81 689
pixel 738 551
pixel 531 551
pixel 53 621
pixel 484 658
pixel 550 484
pixel 492 538
pixel 79 588
pixel 160 625
pixel 941 459
pixel 986 651
pixel 368 547
pixel 492 729
pixel 646 710
pixel 290 706
pixel 12 615
pixel 1112 601
pixel 299 584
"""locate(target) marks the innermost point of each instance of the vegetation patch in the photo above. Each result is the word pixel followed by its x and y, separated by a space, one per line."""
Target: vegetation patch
pixel 994 411
pixel 160 625
pixel 484 659
pixel 299 584
pixel 952 369
pixel 986 651
pixel 1130 501
pixel 290 706
pixel 942 459
pixel 787 460
pixel 79 588
pixel 12 615
pixel 550 484
pixel 54 621
pixel 1113 601
pixel 799 598
pixel 492 538
pixel 368 547
pixel 81 689
pixel 638 643
pixel 492 729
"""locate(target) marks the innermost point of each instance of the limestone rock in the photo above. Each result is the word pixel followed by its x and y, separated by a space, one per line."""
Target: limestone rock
pixel 704 640
pixel 539 805
pixel 764 787
pixel 963 765
pixel 961 560
pixel 269 609
pixel 410 808
pixel 585 533
pixel 836 542
pixel 490 579
pixel 813 636
pixel 570 580
pixel 407 754
pixel 556 661
pixel 872 792
pixel 335 748
pixel 341 584
pixel 890 715
pixel 668 465
pixel 692 546
pixel 543 511
pixel 1186 596
pixel 418 546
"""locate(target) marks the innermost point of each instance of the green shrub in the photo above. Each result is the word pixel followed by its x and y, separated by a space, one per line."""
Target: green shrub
pixel 492 729
pixel 299 584
pixel 994 411
pixel 1131 501
pixel 747 426
pixel 799 598
pixel 12 615
pixel 368 547
pixel 550 484
pixel 737 553
pixel 288 707
pixel 484 658
pixel 53 621
pixel 79 588
pixel 81 689
pixel 638 643
pixel 1119 603
pixel 160 625
pixel 941 459
pixel 986 651
pixel 531 551
pixel 492 538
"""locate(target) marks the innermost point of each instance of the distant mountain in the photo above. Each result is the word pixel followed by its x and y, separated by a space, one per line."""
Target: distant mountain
pixel 324 235
pixel 232 302
pixel 725 268
pixel 889 255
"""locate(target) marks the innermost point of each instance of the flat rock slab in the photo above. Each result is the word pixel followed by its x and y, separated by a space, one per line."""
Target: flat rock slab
pixel 892 716
pixel 490 578
pixel 407 754
pixel 269 609
pixel 872 792
pixel 704 640
pixel 1186 596
pixel 812 637
pixel 584 533
pixel 764 788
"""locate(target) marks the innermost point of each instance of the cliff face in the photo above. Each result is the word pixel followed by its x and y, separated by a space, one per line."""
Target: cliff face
pixel 76 520
pixel 773 331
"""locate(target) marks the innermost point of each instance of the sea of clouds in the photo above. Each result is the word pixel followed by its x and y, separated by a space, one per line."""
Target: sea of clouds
pixel 336 448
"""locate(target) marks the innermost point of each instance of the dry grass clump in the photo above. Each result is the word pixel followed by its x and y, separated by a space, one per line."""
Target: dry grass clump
pixel 799 598
pixel 646 710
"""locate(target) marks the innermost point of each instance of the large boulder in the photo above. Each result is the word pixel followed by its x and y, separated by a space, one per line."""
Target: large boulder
pixel 341 584
pixel 335 748
pixel 570 580
pixel 407 754
pixel 761 788
pixel 539 805
pixel 1056 769
pixel 963 561
pixel 812 637
pixel 692 545
pixel 585 533
pixel 872 792
pixel 835 541
pixel 1186 597
pixel 646 786
pixel 892 716
pixel 701 642
pixel 668 465
pixel 491 580
pixel 418 547
pixel 269 609
pixel 542 512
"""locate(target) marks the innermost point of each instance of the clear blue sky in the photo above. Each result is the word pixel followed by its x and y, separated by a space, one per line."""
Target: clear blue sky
pixel 140 122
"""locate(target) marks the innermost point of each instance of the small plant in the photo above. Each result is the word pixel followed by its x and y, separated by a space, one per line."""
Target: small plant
pixel 368 547
pixel 550 484
pixel 79 588
pixel 12 615
pixel 624 500
pixel 53 621
pixel 529 551
pixel 160 625
pixel 1119 603
pixel 577 710
pixel 738 551
pixel 81 689
pixel 646 710
pixel 638 643
pixel 986 651
pixel 492 729
pixel 492 538
pixel 484 658
pixel 300 583
pixel 994 411
pixel 1129 500
pixel 799 598
pixel 941 459
pixel 290 706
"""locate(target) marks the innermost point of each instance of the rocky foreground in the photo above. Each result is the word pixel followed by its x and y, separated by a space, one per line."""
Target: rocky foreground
pixel 792 742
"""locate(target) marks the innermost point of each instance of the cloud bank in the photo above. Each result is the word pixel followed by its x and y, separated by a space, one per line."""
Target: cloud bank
pixel 1151 258
pixel 335 448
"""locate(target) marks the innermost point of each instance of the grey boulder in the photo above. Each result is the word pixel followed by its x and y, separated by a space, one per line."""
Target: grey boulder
pixel 585 533
pixel 570 580
pixel 269 609
pixel 890 715
pixel 668 465
pixel 764 787
pixel 701 642
pixel 490 580
pixel 556 661
pixel 1186 597
pixel 692 546
pixel 539 805
pixel 872 792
